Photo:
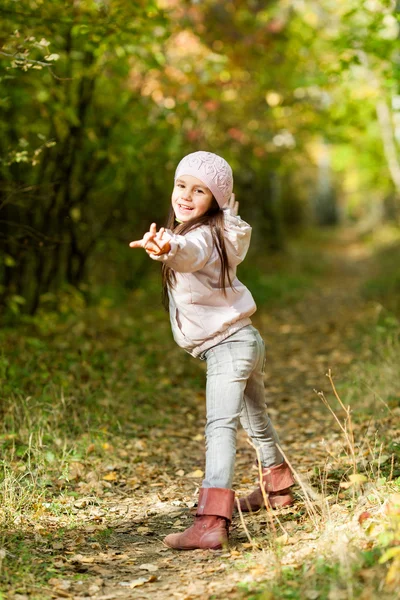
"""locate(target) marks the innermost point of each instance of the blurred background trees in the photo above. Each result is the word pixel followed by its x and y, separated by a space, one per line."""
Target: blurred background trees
pixel 101 99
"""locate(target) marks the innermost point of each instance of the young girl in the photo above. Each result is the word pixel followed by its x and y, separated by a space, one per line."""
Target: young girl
pixel 210 316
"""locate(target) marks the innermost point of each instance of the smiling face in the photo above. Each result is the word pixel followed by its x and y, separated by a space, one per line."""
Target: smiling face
pixel 190 198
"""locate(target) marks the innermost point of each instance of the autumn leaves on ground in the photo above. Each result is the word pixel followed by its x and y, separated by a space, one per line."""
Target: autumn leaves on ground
pixel 102 443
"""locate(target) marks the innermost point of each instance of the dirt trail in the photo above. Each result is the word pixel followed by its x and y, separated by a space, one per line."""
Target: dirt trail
pixel 303 342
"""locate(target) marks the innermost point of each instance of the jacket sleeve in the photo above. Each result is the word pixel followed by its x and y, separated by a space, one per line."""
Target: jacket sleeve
pixel 237 237
pixel 190 252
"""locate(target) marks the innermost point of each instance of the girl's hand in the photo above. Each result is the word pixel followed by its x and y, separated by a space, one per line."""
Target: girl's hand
pixel 233 205
pixel 154 242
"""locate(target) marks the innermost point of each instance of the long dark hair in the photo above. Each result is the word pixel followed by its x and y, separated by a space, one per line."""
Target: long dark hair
pixel 214 218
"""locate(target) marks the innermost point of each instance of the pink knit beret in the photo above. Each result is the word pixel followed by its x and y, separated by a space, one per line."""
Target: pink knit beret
pixel 212 170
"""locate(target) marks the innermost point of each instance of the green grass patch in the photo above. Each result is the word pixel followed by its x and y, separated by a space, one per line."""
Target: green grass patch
pixel 384 284
pixel 323 579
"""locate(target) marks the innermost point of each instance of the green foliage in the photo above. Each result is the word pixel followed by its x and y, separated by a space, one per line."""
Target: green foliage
pixel 384 286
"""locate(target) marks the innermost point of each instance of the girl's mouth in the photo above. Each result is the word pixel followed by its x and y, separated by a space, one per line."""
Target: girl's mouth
pixel 184 208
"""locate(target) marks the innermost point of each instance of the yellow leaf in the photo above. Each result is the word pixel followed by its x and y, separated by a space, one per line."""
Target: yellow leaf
pixel 142 581
pixel 110 476
pixel 390 553
pixel 138 582
pixel 148 567
pixel 282 539
pixel 258 570
pixel 393 574
pixel 357 479
pixel 196 473
pixel 143 530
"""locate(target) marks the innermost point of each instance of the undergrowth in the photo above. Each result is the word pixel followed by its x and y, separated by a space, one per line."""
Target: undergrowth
pixel 357 548
pixel 83 387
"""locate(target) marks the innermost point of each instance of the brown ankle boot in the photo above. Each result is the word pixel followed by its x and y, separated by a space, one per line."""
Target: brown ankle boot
pixel 277 482
pixel 211 526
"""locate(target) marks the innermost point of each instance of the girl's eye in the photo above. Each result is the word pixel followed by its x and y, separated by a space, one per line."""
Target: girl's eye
pixel 200 191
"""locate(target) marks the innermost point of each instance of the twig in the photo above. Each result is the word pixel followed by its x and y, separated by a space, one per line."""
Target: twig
pixel 262 487
pixel 347 427
pixel 311 510
pixel 244 524
pixel 346 410
pixel 36 62
pixel 391 468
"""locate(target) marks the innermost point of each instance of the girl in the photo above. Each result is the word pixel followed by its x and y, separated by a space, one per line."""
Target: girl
pixel 210 316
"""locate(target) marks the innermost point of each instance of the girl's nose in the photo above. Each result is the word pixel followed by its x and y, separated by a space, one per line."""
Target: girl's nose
pixel 187 195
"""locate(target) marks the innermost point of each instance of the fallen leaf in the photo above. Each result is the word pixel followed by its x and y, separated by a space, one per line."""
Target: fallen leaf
pixel 57 546
pixel 258 570
pixel 282 539
pixel 393 574
pixel 389 554
pixel 60 584
pixel 148 567
pixel 312 595
pixel 79 558
pixel 76 470
pixel 143 530
pixel 82 503
pixel 364 516
pixel 138 582
pixel 112 476
pixel 91 448
pixel 196 473
pixel 357 478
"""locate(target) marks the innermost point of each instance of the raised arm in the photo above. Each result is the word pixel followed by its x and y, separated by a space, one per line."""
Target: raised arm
pixel 237 233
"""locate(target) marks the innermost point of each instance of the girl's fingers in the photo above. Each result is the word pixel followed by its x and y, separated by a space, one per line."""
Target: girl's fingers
pixel 150 237
pixel 233 204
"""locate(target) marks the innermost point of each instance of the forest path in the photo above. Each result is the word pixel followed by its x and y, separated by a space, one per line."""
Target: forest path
pixel 304 340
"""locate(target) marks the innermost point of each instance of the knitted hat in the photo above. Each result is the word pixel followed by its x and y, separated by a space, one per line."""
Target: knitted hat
pixel 212 170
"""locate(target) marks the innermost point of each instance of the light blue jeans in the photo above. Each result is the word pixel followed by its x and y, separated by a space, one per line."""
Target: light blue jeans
pixel 235 392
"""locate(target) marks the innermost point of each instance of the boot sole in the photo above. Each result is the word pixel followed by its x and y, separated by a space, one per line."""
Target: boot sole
pixel 195 547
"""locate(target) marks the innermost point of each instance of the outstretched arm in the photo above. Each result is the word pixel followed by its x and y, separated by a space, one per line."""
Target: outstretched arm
pixel 154 242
